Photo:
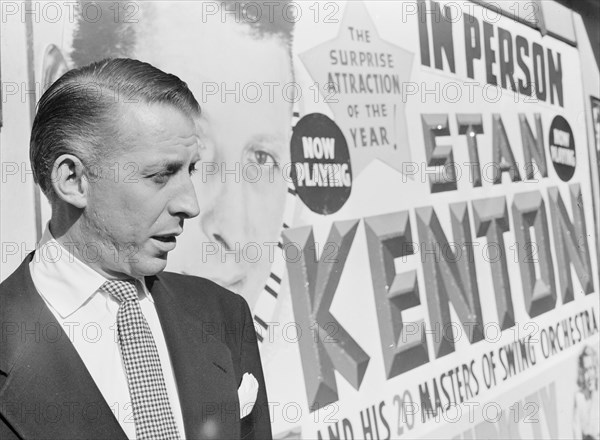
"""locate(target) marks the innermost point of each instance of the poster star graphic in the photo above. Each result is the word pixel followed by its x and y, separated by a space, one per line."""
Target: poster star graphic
pixel 363 76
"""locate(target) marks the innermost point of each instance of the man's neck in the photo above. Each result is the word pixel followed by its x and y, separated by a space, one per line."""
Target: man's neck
pixel 75 241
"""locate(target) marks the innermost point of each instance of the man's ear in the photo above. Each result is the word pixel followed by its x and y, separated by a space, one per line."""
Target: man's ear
pixel 69 181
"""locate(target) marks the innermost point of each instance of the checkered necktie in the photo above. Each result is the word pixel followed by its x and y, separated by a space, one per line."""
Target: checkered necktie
pixel 151 408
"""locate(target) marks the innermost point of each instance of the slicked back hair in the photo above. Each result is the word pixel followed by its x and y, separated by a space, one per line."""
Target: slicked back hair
pixel 79 113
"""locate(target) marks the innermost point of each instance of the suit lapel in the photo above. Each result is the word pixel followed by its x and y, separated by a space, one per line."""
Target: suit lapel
pixel 202 366
pixel 48 392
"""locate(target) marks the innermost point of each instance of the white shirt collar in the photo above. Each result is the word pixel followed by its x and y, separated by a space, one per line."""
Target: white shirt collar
pixel 67 283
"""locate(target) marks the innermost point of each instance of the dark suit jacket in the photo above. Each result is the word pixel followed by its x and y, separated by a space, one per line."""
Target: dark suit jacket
pixel 47 392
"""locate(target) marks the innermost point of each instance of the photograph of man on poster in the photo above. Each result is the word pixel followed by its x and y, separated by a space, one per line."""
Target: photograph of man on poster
pixel 237 62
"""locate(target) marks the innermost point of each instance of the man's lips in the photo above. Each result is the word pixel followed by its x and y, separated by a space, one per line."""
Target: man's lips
pixel 166 242
pixel 168 236
pixel 165 238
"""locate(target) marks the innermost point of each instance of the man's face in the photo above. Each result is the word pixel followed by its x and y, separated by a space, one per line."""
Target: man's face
pixel 240 184
pixel 137 205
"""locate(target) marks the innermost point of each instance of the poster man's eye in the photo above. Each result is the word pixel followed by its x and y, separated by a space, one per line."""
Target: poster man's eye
pixel 263 158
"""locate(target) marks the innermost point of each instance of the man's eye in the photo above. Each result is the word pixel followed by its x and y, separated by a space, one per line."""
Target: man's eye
pixel 193 169
pixel 160 177
pixel 263 158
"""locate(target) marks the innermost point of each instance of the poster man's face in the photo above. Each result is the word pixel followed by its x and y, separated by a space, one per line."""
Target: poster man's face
pixel 245 135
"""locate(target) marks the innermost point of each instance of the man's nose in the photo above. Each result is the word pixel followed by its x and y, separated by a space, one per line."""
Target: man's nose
pixel 185 202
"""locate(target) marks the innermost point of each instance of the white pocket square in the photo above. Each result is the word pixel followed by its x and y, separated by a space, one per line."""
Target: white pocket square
pixel 247 393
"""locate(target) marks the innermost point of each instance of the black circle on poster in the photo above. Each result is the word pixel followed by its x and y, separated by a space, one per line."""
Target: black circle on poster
pixel 562 148
pixel 321 169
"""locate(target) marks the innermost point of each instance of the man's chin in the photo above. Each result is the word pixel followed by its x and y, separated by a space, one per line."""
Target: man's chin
pixel 150 267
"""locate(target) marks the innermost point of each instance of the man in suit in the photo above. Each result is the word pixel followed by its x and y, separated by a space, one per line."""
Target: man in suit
pixel 97 341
